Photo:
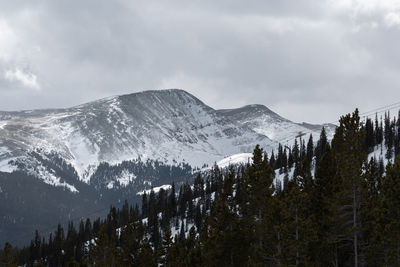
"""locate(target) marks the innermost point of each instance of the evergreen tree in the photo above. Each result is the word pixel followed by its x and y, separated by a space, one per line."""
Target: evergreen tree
pixel 348 147
pixel 371 213
pixel 131 238
pixel 259 190
pixel 321 144
pixel 103 250
pixel 369 136
pixel 172 205
pixel 7 257
pixel 389 136
pixel 225 245
pixel 165 251
pixel 145 205
pixel 378 131
pixel 310 149
pixel 391 209
pixel 146 255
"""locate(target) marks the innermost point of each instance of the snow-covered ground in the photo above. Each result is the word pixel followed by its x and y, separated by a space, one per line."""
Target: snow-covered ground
pixel 155 189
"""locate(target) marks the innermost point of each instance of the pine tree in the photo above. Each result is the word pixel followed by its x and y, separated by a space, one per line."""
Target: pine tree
pixel 321 144
pixel 391 209
pixel 327 186
pixel 224 243
pixel 7 257
pixel 192 249
pixel 172 205
pixel 146 255
pixel 165 253
pixel 145 205
pixel 259 189
pixel 103 251
pixel 310 149
pixel 131 238
pixel 369 136
pixel 388 132
pixel 300 220
pixel 372 215
pixel 348 146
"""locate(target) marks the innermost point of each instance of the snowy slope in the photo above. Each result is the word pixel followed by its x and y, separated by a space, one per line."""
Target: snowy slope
pixel 169 125
pixel 232 160
pixel 266 122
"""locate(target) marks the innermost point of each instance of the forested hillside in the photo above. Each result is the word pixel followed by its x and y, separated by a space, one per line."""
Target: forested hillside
pixel 336 205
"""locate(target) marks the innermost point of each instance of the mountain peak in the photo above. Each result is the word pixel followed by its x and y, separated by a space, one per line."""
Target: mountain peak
pixel 159 92
pixel 251 111
pixel 163 97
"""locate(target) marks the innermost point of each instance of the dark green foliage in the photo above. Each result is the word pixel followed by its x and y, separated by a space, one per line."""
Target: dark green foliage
pixel 7 256
pixel 103 250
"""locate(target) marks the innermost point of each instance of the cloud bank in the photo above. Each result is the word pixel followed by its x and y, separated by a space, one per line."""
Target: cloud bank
pixel 307 60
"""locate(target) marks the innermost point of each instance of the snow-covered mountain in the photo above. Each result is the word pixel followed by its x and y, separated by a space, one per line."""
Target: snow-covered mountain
pixel 169 125
pixel 83 158
pixel 265 122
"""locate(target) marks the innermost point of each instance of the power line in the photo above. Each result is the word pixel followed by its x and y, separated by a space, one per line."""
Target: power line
pixel 381 111
pixel 364 115
pixel 377 109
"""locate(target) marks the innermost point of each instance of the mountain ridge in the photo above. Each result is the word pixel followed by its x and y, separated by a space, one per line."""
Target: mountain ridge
pixel 108 150
pixel 170 125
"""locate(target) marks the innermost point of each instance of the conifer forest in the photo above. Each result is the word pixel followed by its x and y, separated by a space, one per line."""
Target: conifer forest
pixel 335 206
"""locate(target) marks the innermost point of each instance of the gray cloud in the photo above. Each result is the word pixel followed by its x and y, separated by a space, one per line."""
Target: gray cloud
pixel 308 60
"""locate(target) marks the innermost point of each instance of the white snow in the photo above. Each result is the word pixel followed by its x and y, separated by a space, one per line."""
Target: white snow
pixel 110 185
pixel 380 153
pixel 236 159
pixel 5 167
pixel 125 178
pixel 171 126
pixel 2 124
pixel 155 189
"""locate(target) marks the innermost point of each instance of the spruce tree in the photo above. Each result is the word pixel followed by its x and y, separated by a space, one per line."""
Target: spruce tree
pixel 7 257
pixel 259 189
pixel 131 238
pixel 103 250
pixel 321 144
pixel 165 253
pixel 350 156
pixel 310 149
pixel 146 255
pixel 391 209
pixel 372 215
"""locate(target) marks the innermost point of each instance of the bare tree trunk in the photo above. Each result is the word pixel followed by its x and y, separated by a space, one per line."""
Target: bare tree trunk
pixel 279 248
pixel 297 237
pixel 336 261
pixel 231 254
pixel 398 252
pixel 260 234
pixel 355 236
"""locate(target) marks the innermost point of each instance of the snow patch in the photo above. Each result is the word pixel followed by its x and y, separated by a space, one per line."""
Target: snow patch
pixel 155 189
pixel 125 178
pixel 241 158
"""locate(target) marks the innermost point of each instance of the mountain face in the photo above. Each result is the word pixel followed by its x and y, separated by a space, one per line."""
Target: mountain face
pixel 106 151
pixel 265 122
pixel 171 125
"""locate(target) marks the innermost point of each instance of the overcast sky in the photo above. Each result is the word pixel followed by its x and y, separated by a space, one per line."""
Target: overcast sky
pixel 307 60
